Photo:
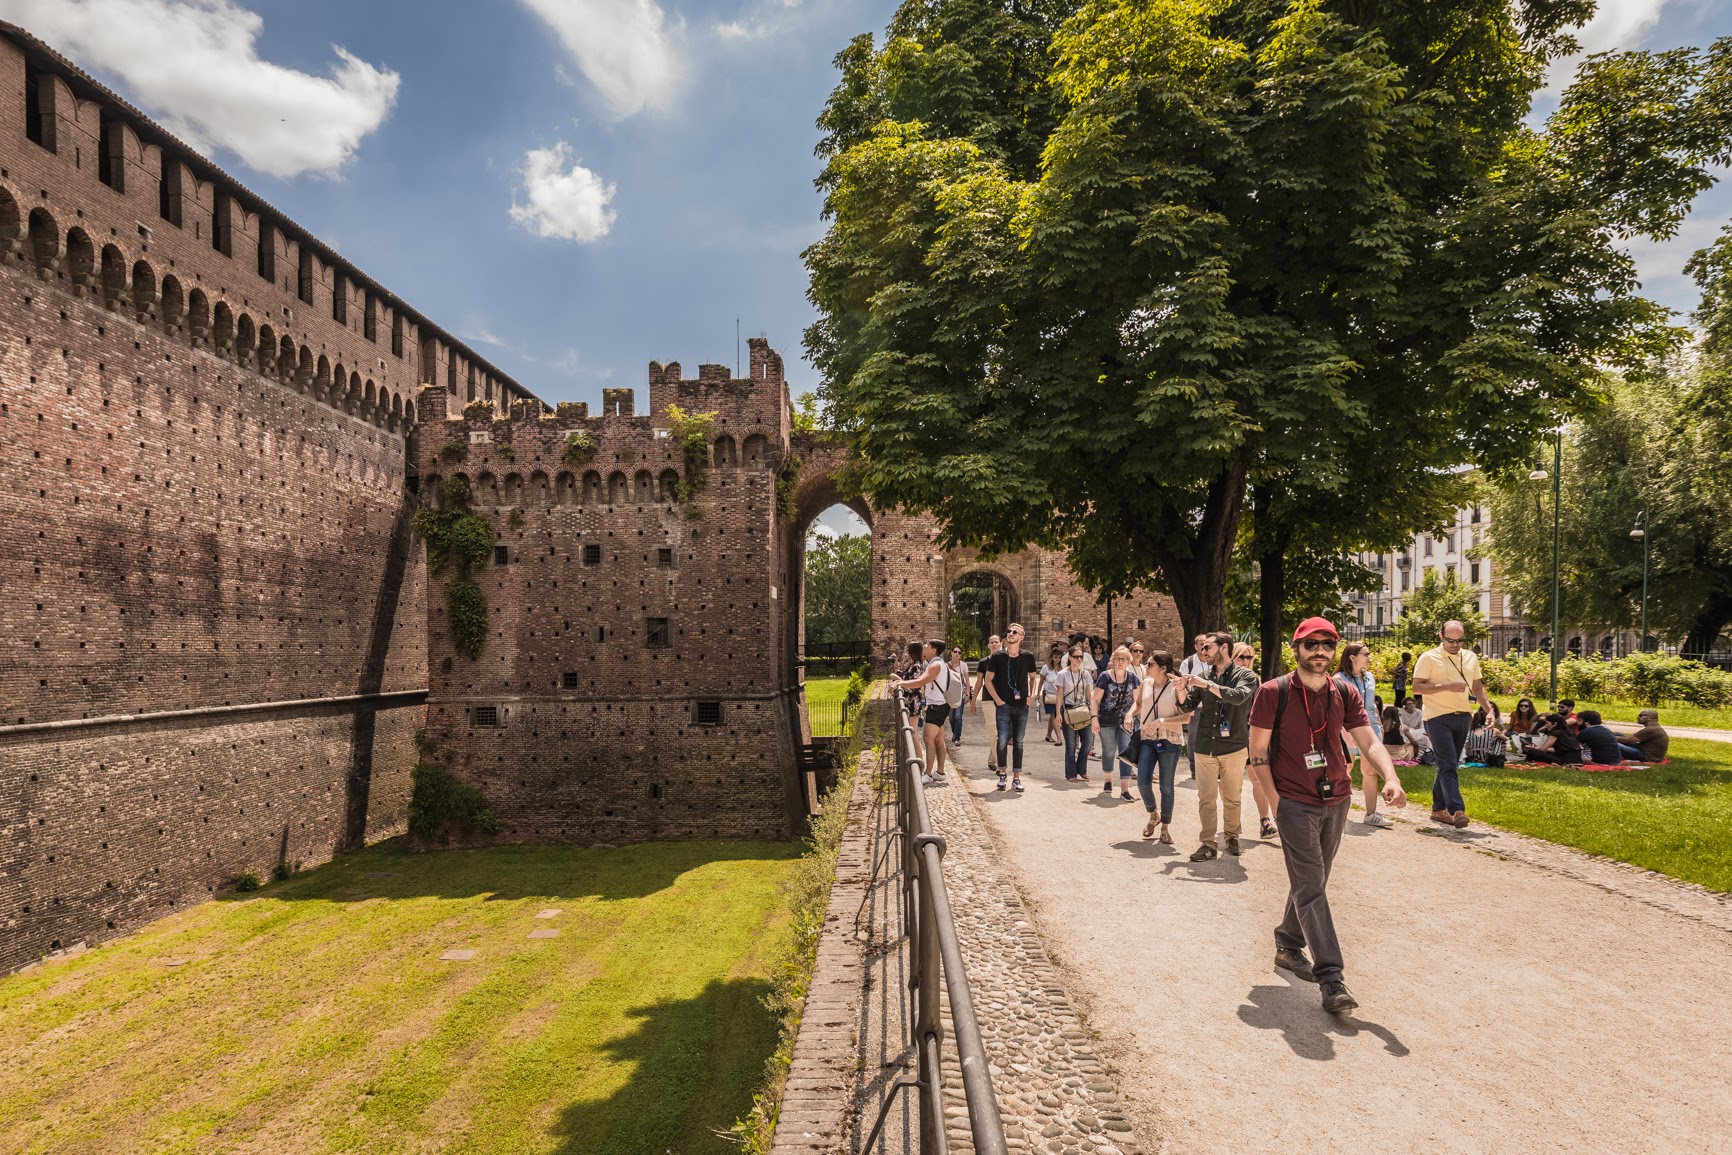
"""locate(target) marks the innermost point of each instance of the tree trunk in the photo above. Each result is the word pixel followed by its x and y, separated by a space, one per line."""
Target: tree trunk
pixel 1199 582
pixel 1272 595
pixel 1705 630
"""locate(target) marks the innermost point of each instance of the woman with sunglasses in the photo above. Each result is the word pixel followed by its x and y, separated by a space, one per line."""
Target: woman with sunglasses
pixel 1047 692
pixel 1114 690
pixel 1353 671
pixel 1075 687
pixel 1244 655
pixel 1160 719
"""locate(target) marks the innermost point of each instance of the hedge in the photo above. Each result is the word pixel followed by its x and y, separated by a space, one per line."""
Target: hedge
pixel 1645 679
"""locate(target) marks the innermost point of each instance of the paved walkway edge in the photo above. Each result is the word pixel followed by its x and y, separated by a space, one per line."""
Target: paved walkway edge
pixel 817 1100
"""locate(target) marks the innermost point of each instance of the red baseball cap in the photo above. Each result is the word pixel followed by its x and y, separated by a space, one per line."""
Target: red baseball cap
pixel 1311 626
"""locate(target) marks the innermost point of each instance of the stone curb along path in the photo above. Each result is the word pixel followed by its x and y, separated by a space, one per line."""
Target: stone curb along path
pixel 1054 1092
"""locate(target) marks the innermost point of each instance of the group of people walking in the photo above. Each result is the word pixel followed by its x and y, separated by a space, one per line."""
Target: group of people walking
pixel 1297 738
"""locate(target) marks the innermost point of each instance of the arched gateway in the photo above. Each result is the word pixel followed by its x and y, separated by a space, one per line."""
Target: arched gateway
pixel 641 674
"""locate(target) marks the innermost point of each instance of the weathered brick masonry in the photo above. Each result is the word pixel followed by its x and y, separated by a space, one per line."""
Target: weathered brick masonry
pixel 204 418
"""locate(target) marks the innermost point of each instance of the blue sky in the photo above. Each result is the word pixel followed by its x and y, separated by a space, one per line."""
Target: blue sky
pixel 668 143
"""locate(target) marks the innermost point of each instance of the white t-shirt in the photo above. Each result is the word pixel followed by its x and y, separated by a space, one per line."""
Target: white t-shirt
pixel 1193 665
pixel 934 690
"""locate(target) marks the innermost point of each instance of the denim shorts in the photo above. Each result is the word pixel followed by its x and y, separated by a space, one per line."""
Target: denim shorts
pixel 1051 709
pixel 937 715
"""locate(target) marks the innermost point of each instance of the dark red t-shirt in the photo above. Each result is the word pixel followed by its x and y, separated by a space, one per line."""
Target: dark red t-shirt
pixel 1313 720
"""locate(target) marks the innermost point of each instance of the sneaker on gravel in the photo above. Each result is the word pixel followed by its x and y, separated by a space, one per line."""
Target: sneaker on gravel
pixel 1378 818
pixel 1002 779
pixel 1296 962
pixel 1125 794
pixel 1203 853
pixel 1107 786
pixel 1269 830
pixel 1336 998
pixel 1016 785
pixel 1233 844
pixel 926 778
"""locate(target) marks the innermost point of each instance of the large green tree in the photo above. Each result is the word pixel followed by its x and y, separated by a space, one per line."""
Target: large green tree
pixel 839 589
pixel 1094 267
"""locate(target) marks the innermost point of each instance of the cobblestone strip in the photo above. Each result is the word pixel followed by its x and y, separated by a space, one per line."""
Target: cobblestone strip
pixel 1632 882
pixel 1054 1093
pixel 818 1100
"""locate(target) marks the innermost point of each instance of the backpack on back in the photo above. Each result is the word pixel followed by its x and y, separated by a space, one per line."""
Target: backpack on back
pixel 953 688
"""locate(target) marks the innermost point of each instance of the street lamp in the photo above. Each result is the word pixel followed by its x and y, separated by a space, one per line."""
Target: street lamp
pixel 1557 476
pixel 1641 531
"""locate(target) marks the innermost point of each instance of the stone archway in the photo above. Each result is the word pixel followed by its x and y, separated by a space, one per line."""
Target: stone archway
pixel 983 601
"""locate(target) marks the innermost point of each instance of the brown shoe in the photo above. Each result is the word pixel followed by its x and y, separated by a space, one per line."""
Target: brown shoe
pixel 1443 816
pixel 1460 819
pixel 1233 844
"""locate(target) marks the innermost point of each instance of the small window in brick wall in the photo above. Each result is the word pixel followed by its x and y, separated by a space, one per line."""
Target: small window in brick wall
pixel 665 558
pixel 658 635
pixel 1142 624
pixel 601 633
pixel 707 713
pixel 592 555
pixel 484 717
pixel 501 554
pixel 568 680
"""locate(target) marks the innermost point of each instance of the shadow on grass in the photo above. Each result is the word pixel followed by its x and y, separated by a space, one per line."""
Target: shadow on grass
pixel 391 870
pixel 694 1063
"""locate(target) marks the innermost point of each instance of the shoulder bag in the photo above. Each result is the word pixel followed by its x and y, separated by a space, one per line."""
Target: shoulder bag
pixel 1077 717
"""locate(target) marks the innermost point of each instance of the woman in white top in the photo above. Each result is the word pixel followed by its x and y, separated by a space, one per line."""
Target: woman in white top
pixel 1160 721
pixel 932 683
pixel 1047 692
pixel 1076 688
pixel 958 666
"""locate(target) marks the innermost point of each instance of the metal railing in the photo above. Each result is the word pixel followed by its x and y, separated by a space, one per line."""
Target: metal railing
pixel 935 961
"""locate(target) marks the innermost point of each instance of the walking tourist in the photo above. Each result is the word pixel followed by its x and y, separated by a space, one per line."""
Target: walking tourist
pixel 1010 680
pixel 979 692
pixel 1046 692
pixel 1245 655
pixel 1193 665
pixel 912 666
pixel 1297 723
pixel 1650 741
pixel 1114 689
pixel 1398 679
pixel 959 667
pixel 1160 720
pixel 1354 673
pixel 935 686
pixel 1221 698
pixel 1076 694
pixel 1444 677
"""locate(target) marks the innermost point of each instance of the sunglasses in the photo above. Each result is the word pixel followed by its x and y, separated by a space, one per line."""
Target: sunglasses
pixel 1328 644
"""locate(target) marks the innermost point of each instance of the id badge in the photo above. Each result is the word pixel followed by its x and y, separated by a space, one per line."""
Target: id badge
pixel 1226 729
pixel 1315 760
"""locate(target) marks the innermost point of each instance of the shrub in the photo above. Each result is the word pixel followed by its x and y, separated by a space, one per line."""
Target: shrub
pixel 579 448
pixel 458 540
pixel 466 616
pixel 246 880
pixel 453 451
pixel 286 869
pixel 440 804
pixel 692 432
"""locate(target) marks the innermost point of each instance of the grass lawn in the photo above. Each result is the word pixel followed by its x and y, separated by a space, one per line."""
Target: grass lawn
pixel 1676 818
pixel 824 704
pixel 316 1016
pixel 1711 718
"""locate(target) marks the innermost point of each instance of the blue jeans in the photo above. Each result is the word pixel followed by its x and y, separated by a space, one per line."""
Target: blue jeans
pixel 1166 755
pixel 1448 734
pixel 1012 724
pixel 1076 752
pixel 956 722
pixel 1112 737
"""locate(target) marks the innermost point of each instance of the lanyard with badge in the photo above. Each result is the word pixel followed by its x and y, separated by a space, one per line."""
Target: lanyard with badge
pixel 1224 728
pixel 1314 759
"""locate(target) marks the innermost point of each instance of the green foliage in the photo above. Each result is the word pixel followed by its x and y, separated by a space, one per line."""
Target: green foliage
pixel 1437 599
pixel 454 451
pixel 479 408
pixel 466 616
pixel 787 485
pixel 504 452
pixel 246 880
pixel 579 448
pixel 1095 269
pixel 1646 679
pixel 963 632
pixel 691 432
pixel 515 519
pixel 838 589
pixel 440 804
pixel 804 418
pixel 859 686
pixel 286 869
pixel 457 541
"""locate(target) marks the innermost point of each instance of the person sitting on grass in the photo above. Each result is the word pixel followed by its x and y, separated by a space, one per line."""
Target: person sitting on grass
pixel 1523 718
pixel 1551 741
pixel 1650 741
pixel 1601 744
pixel 1413 728
pixel 1485 742
pixel 1394 740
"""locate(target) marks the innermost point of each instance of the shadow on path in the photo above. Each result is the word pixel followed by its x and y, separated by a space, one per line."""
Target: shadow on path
pixel 1305 1026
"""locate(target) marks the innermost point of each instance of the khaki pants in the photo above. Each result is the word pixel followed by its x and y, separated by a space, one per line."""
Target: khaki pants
pixel 1220 779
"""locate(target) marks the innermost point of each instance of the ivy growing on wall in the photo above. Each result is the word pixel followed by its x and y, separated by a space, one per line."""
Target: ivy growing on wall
pixel 692 433
pixel 579 448
pixel 439 803
pixel 787 481
pixel 457 541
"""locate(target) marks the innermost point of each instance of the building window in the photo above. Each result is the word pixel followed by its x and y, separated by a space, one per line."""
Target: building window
pixel 658 635
pixel 592 555
pixel 501 555
pixel 396 334
pixel 1449 543
pixel 568 680
pixel 1473 573
pixel 1428 541
pixel 1450 571
pixel 665 558
pixel 1474 517
pixel 39 122
pixel 1404 574
pixel 1142 624
pixel 601 633
pixel 111 164
pixel 484 717
pixel 707 713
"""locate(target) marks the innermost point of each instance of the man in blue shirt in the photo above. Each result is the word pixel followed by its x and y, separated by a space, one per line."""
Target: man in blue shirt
pixel 1599 741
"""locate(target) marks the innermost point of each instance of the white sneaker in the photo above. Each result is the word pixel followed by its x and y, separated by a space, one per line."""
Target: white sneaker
pixel 1378 818
pixel 926 778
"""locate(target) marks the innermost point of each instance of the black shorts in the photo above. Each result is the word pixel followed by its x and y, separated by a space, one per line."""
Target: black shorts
pixel 937 715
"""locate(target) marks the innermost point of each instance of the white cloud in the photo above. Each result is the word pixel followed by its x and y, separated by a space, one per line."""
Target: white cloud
pixel 483 336
pixel 1616 24
pixel 625 48
pixel 565 199
pixel 194 64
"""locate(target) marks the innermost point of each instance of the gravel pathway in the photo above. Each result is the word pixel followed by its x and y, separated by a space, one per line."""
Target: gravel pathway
pixel 1515 995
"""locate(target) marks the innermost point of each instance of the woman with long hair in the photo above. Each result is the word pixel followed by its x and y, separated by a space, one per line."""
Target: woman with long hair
pixel 1523 719
pixel 959 668
pixel 1160 719
pixel 1048 692
pixel 1075 689
pixel 1244 654
pixel 1114 689
pixel 1353 671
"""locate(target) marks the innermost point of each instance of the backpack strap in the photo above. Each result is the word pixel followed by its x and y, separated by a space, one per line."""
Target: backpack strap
pixel 1275 734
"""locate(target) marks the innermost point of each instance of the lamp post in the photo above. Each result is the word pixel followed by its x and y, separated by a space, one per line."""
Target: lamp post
pixel 1641 531
pixel 1557 476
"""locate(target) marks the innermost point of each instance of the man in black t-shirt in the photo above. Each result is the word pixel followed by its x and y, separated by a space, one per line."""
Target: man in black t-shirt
pixel 1009 681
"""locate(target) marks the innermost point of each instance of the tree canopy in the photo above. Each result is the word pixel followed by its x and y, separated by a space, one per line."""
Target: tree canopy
pixel 839 589
pixel 1095 269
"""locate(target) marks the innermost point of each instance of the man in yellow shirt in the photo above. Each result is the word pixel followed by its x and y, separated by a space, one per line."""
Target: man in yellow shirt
pixel 1444 677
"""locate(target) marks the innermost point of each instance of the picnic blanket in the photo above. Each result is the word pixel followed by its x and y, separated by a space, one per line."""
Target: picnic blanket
pixel 1590 767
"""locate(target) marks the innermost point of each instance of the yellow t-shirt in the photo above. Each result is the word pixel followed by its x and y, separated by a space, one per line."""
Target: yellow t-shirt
pixel 1438 666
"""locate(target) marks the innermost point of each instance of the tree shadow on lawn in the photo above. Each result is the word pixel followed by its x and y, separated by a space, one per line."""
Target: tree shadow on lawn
pixel 695 1064
pixel 553 872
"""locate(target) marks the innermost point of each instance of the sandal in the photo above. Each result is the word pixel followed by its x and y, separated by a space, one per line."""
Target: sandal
pixel 1149 830
pixel 1166 836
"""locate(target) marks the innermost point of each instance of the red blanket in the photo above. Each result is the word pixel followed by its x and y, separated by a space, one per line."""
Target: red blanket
pixel 1590 767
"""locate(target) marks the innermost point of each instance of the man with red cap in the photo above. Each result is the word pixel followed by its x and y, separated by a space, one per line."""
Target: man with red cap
pixel 1296 725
